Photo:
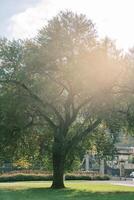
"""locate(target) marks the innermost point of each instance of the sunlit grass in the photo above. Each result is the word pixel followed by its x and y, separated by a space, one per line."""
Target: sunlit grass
pixel 74 190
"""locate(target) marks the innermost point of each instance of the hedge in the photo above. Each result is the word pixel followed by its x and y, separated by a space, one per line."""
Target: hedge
pixel 35 177
pixel 86 177
pixel 24 177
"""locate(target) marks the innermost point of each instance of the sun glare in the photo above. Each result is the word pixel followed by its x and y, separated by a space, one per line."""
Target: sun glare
pixel 112 18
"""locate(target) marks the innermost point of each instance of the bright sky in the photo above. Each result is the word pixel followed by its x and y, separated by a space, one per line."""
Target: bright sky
pixel 113 18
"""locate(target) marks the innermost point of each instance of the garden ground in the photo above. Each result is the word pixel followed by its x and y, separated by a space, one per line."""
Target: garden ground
pixel 76 190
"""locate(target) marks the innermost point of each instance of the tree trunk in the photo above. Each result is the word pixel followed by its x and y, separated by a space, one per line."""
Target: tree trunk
pixel 58 166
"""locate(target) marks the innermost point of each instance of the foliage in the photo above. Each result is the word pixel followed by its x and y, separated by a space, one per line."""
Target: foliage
pixel 43 177
pixel 63 88
pixel 103 143
pixel 22 163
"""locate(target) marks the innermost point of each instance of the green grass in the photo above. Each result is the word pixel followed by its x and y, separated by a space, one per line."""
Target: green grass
pixel 74 191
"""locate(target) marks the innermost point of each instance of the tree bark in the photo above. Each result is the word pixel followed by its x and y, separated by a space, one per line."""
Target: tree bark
pixel 58 165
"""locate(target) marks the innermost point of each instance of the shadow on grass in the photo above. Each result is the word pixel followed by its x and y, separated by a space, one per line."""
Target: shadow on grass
pixel 49 194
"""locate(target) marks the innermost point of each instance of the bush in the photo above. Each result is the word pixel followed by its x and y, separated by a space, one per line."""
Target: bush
pixel 101 178
pixel 85 177
pixel 25 177
pixel 43 177
pixel 76 177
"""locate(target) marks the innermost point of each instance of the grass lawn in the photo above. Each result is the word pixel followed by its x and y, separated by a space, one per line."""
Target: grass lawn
pixel 74 191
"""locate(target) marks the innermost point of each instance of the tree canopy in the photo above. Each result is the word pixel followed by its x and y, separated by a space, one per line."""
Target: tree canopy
pixel 65 80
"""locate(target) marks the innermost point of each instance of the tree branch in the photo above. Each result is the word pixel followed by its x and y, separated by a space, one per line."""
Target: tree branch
pixel 57 82
pixel 54 126
pixel 35 97
pixel 76 111
pixel 79 137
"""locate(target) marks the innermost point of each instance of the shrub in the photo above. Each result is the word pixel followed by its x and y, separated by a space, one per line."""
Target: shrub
pixel 77 177
pixel 101 178
pixel 85 177
pixel 43 177
pixel 25 177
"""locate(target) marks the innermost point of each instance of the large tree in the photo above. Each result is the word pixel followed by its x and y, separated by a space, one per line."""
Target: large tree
pixel 66 77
